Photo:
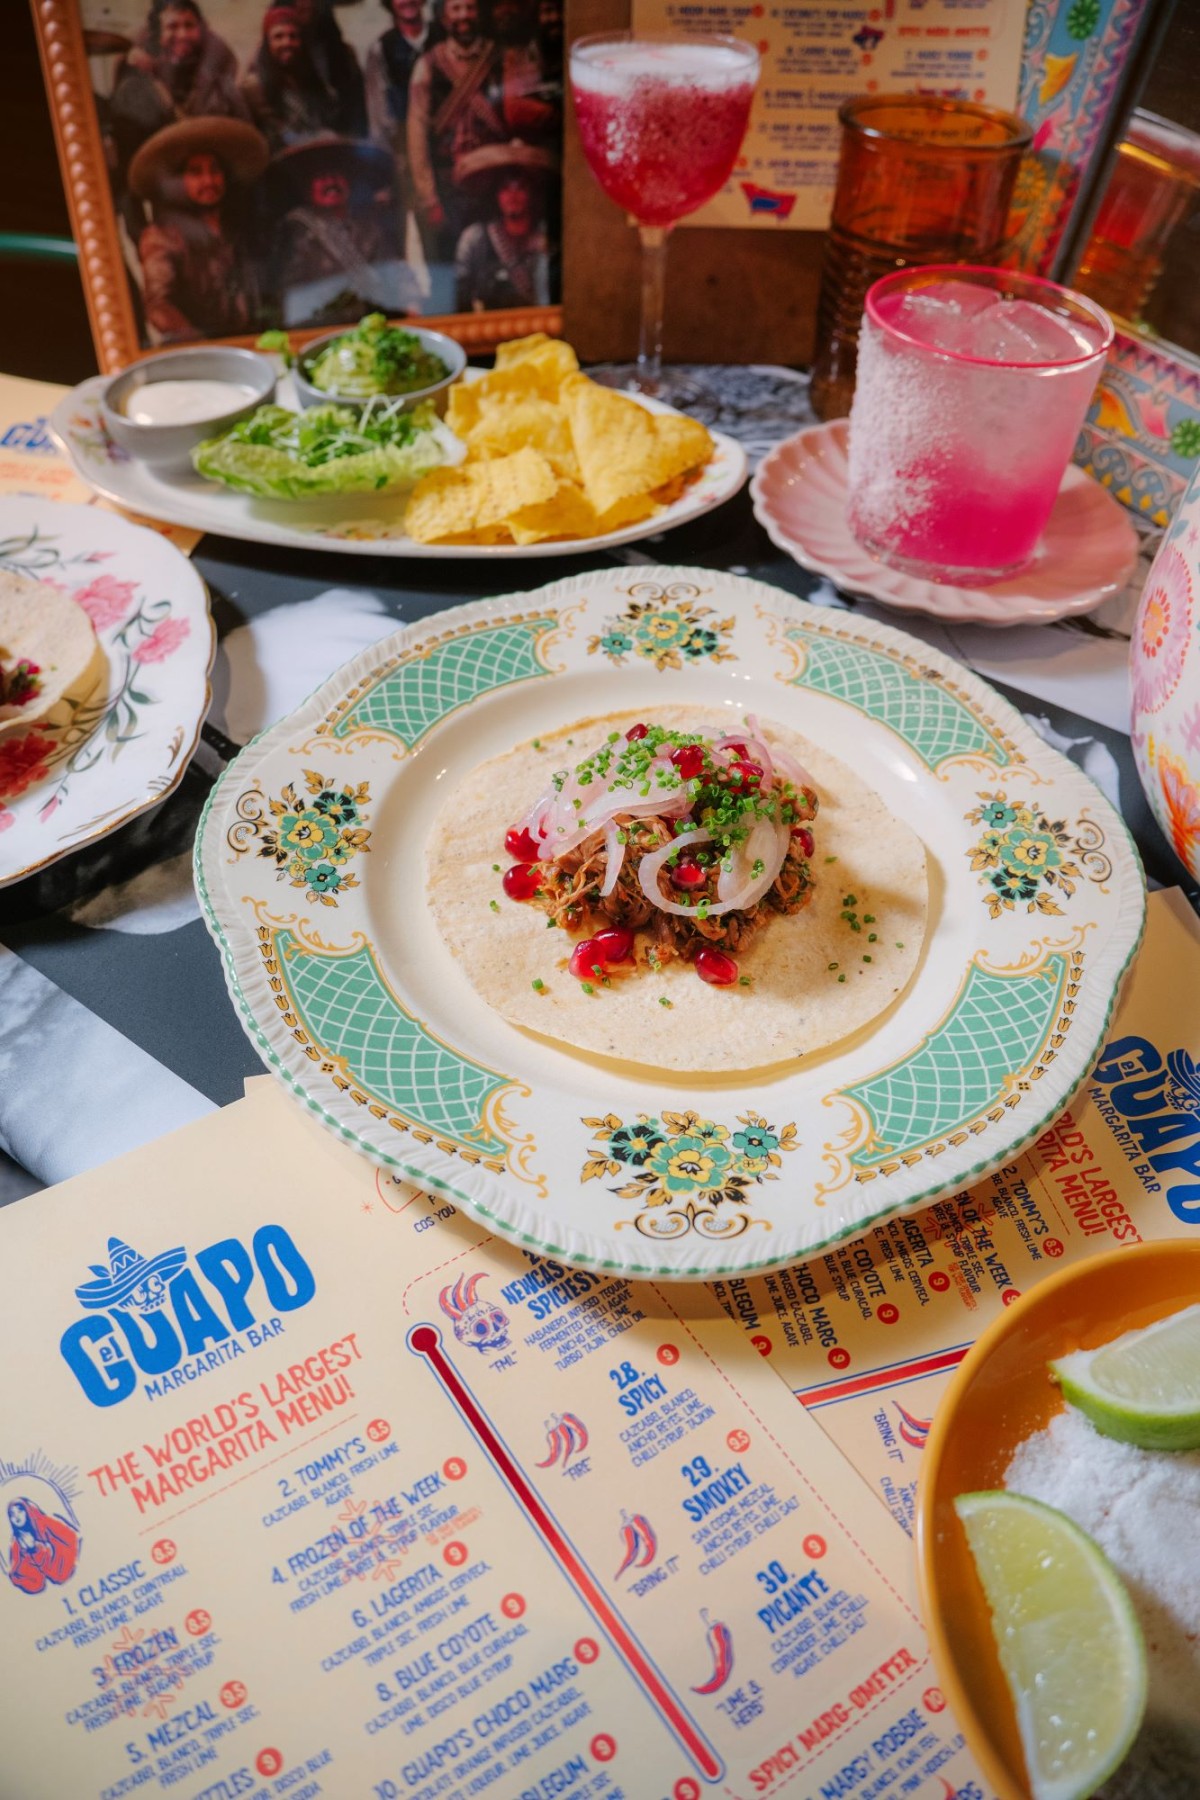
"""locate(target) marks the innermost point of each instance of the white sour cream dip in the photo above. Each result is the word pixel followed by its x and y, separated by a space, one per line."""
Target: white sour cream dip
pixel 185 402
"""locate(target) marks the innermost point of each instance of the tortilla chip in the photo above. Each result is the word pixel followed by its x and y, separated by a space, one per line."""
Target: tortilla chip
pixel 627 512
pixel 514 349
pixel 794 1004
pixel 464 405
pixel 568 513
pixel 537 376
pixel 47 629
pixel 537 424
pixel 613 463
pixel 473 502
pixel 624 450
pixel 551 356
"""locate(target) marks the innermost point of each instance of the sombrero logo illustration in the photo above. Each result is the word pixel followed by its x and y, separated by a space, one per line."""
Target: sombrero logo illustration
pixel 171 1316
pixel 130 1280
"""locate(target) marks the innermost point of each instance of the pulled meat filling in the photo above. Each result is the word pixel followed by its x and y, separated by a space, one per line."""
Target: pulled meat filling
pixel 570 890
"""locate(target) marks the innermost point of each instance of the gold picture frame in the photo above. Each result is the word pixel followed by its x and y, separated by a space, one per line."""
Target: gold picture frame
pixel 111 290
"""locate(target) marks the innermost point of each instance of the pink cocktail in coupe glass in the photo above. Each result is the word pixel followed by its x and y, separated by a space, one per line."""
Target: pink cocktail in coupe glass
pixel 972 388
pixel 661 120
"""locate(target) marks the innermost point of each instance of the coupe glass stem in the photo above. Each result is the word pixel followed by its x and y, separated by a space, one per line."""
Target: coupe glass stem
pixel 654 271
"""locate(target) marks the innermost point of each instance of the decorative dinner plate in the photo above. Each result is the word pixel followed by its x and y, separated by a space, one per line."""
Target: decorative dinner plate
pixel 310 868
pixel 111 751
pixel 1087 552
pixel 355 524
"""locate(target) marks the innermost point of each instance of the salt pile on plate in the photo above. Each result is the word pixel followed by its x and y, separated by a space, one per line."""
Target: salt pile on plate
pixel 1143 1509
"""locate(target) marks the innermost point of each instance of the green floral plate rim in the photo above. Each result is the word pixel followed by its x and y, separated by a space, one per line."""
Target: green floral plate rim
pixel 308 841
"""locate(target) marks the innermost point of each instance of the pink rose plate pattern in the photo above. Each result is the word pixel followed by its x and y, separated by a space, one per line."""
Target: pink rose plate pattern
pixel 108 751
pixel 1088 552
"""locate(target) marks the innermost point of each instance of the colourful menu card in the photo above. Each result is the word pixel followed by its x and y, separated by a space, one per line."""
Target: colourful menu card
pixel 312 1488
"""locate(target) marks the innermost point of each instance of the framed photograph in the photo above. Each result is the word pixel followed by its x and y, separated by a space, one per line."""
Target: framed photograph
pixel 234 166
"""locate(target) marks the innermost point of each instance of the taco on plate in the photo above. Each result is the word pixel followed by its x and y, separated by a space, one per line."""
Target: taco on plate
pixel 680 888
pixel 47 647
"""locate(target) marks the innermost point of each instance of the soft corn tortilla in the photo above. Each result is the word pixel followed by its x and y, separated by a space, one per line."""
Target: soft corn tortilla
pixel 51 630
pixel 795 1003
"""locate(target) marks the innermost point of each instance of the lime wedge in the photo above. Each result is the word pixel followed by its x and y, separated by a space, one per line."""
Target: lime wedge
pixel 1067 1637
pixel 1143 1388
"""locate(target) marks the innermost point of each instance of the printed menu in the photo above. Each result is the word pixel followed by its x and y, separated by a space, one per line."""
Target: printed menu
pixel 818 55
pixel 869 1335
pixel 311 1488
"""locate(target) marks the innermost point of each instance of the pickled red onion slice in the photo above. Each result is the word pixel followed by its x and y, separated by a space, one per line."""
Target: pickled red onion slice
pixel 756 752
pixel 650 866
pixel 614 846
pixel 739 887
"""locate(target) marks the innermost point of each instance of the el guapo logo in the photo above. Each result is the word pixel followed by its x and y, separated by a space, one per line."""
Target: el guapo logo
pixel 1153 1109
pixel 146 1316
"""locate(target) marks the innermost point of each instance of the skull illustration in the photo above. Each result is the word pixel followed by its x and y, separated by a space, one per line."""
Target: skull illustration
pixel 477 1323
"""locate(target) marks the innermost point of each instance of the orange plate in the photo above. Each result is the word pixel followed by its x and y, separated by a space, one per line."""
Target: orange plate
pixel 1000 1394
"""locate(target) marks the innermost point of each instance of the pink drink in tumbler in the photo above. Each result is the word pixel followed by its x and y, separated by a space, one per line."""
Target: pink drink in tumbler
pixel 972 387
pixel 661 122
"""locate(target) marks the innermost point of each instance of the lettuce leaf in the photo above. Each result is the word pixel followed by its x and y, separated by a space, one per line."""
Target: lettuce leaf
pixel 284 455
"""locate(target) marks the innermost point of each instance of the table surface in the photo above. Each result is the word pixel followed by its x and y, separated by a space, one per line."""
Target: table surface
pixel 115 1025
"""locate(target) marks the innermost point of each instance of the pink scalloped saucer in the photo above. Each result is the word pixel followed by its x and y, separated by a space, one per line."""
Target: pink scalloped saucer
pixel 1087 553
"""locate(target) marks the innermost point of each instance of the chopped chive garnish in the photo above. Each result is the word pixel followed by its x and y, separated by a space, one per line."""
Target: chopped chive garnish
pixel 588 988
pixel 538 985
pixel 495 905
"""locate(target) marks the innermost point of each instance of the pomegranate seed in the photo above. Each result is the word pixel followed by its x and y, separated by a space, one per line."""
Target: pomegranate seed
pixel 522 881
pixel 715 967
pixel 745 773
pixel 586 957
pixel 522 844
pixel 688 875
pixel 689 760
pixel 804 839
pixel 738 750
pixel 635 732
pixel 614 944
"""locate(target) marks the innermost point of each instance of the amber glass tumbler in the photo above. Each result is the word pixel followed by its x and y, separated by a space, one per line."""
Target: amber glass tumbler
pixel 919 181
pixel 1152 186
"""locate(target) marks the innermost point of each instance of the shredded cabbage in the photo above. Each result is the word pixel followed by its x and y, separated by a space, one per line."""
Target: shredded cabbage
pixel 286 455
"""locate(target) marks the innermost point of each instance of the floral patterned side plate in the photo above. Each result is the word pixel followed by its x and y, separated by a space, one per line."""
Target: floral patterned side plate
pixel 356 525
pixel 105 755
pixel 1086 554
pixel 310 864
